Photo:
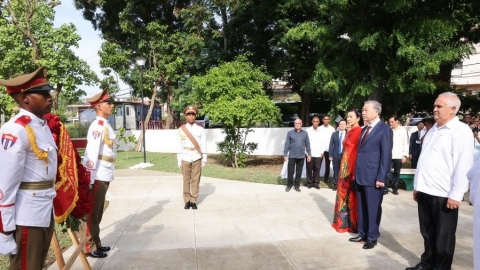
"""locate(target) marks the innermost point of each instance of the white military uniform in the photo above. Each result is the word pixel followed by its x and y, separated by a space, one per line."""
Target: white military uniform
pixel 186 150
pixel 101 151
pixel 21 168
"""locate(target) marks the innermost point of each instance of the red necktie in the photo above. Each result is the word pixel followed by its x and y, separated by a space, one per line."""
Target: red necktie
pixel 366 134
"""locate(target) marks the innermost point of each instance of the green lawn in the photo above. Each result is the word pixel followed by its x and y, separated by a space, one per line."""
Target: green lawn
pixel 265 169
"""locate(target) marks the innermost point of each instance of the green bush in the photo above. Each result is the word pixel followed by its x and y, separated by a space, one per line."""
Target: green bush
pixel 77 130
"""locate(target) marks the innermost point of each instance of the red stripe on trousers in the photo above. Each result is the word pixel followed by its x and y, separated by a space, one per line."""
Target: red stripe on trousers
pixel 24 247
pixel 87 233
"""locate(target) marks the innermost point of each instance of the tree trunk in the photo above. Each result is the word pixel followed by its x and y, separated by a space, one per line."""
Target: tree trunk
pixel 305 109
pixel 378 93
pixel 223 11
pixel 147 118
pixel 56 94
pixel 170 114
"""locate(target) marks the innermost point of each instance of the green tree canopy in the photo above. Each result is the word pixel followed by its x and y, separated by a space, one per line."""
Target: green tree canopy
pixel 29 40
pixel 233 94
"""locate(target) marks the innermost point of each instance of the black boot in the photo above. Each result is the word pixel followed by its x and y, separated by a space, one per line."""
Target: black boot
pixel 193 205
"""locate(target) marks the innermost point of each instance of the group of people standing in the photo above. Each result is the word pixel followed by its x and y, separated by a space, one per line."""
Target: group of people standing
pixel 444 168
pixel 362 158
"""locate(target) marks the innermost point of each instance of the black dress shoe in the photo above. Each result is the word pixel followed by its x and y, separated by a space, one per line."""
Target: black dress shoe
pixel 358 239
pixel 316 187
pixel 369 244
pixel 334 188
pixel 187 205
pixel 288 189
pixel 395 192
pixel 385 192
pixel 309 187
pixel 297 189
pixel 96 254
pixel 194 206
pixel 104 249
pixel 418 267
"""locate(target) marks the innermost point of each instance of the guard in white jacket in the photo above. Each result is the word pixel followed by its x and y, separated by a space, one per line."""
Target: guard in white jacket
pixel 27 175
pixel 99 159
pixel 191 156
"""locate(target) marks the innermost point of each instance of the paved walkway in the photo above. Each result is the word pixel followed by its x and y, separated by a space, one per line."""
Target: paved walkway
pixel 243 225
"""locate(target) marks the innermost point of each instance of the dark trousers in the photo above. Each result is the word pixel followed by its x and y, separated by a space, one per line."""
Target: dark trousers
pixel 91 228
pixel 369 211
pixel 414 161
pixel 313 171
pixel 297 165
pixel 32 246
pixel 397 165
pixel 438 226
pixel 326 157
pixel 336 169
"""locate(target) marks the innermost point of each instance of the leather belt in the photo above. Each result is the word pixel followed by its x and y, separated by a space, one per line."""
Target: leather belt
pixel 107 158
pixel 37 185
pixel 190 148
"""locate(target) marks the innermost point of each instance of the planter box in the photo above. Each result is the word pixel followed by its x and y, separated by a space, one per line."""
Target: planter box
pixel 406 177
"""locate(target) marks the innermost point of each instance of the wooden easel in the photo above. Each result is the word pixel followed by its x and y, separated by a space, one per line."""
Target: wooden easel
pixel 75 254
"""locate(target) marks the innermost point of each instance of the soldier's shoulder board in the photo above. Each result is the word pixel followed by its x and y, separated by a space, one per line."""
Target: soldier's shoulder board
pixel 23 120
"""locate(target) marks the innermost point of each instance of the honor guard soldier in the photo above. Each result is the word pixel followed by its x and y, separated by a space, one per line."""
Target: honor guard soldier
pixel 191 156
pixel 99 159
pixel 27 175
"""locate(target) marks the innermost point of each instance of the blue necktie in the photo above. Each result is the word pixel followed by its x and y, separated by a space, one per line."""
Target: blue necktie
pixel 340 144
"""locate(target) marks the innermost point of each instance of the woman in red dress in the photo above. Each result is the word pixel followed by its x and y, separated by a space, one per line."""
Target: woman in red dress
pixel 346 213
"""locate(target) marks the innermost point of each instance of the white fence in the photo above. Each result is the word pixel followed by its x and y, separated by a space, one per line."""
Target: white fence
pixel 270 140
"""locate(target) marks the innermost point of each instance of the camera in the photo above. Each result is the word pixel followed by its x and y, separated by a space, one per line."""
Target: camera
pixel 475 129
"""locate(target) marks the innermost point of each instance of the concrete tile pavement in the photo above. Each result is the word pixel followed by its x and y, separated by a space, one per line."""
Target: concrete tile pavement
pixel 242 225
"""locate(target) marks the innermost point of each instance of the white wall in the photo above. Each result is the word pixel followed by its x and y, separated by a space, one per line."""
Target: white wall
pixel 270 140
pixel 469 74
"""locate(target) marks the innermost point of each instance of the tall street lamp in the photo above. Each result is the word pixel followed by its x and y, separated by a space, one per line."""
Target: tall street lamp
pixel 141 64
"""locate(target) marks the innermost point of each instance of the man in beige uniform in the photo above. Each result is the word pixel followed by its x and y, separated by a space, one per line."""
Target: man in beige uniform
pixel 99 159
pixel 27 175
pixel 191 156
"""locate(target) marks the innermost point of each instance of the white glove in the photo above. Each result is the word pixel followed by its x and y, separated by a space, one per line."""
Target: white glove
pixel 179 164
pixel 7 244
pixel 203 164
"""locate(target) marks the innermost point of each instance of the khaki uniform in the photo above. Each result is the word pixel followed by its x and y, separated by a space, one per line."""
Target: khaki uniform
pixel 27 187
pixel 99 159
pixel 191 161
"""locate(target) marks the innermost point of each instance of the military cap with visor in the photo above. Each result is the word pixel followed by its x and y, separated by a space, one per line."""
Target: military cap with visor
pixel 28 83
pixel 190 109
pixel 99 98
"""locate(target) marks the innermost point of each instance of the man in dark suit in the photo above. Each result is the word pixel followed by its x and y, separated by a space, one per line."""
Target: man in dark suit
pixel 415 145
pixel 336 149
pixel 373 163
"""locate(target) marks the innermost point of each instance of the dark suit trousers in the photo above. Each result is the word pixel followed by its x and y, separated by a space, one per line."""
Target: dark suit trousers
pixel 327 166
pixel 297 165
pixel 397 165
pixel 369 211
pixel 313 171
pixel 438 226
pixel 336 169
pixel 414 161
